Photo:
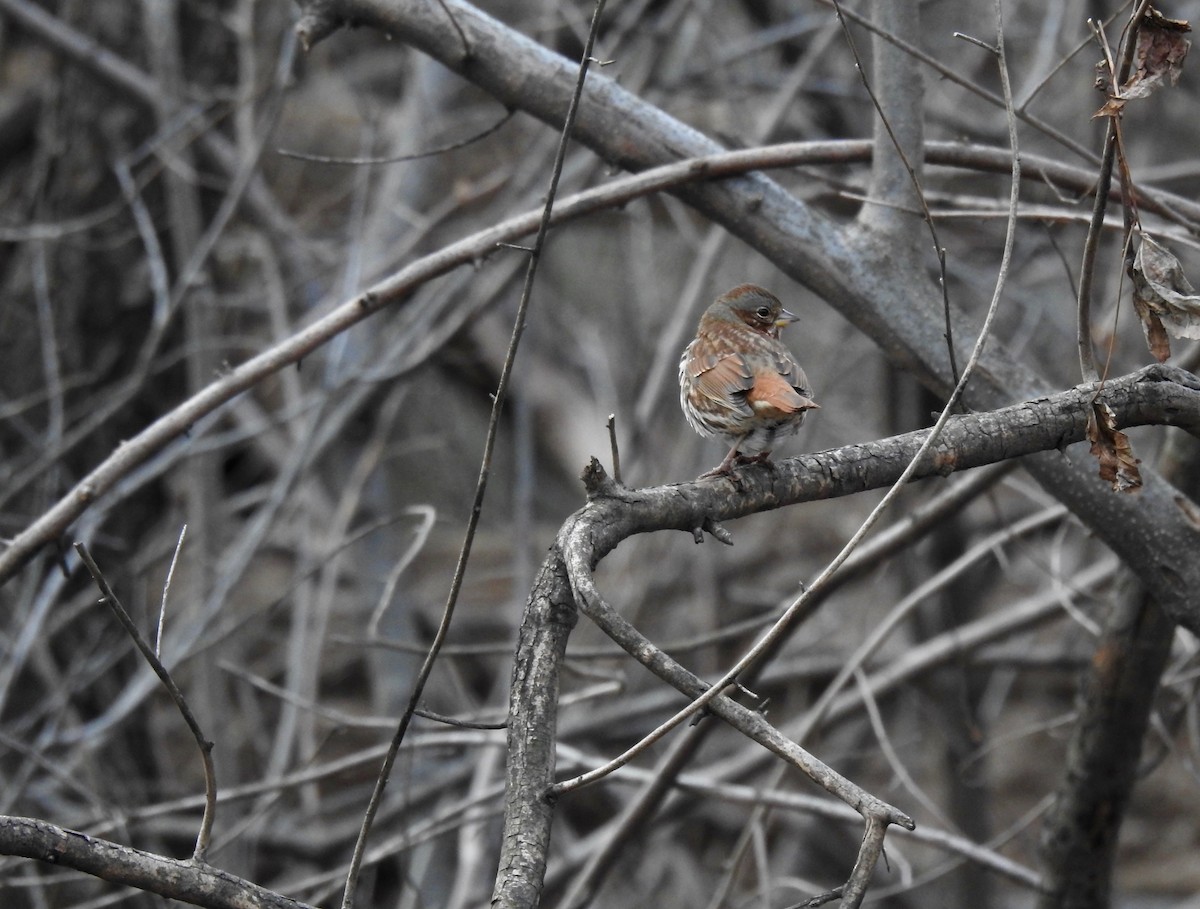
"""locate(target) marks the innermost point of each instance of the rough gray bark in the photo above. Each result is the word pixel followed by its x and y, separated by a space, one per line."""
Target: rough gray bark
pixel 1079 838
pixel 187 881
pixel 547 624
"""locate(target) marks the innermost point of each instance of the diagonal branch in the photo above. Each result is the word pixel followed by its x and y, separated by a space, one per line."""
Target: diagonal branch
pixel 109 597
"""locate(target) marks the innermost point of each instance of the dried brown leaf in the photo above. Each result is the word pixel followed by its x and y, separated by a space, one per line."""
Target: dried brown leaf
pixel 1111 447
pixel 1110 108
pixel 1152 328
pixel 1157 59
pixel 1163 297
pixel 1161 49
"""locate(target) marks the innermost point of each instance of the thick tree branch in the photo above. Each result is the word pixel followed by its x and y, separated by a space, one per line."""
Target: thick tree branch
pixel 1079 839
pixel 549 618
pixel 1153 395
pixel 615 513
pixel 188 881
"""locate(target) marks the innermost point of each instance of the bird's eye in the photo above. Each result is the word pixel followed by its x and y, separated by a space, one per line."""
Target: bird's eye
pixel 763 312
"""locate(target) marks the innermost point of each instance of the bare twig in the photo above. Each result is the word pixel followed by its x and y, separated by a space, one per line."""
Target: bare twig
pixel 889 752
pixel 343 718
pixel 1015 184
pixel 1032 92
pixel 427 514
pixel 162 610
pixel 187 881
pixel 156 264
pixel 1117 77
pixel 205 746
pixel 612 444
pixel 48 337
pixel 394 159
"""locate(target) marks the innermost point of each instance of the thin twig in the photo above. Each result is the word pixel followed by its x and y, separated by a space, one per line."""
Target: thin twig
pixel 428 515
pixel 1033 92
pixel 484 468
pixel 616 450
pixel 156 263
pixel 206 747
pixel 162 609
pixel 466 52
pixel 48 341
pixel 341 717
pixel 888 750
pixel 395 159
pixel 1083 331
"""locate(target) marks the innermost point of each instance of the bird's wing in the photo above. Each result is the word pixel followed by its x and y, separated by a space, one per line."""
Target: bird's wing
pixel 722 379
pixel 781 391
pixel 790 370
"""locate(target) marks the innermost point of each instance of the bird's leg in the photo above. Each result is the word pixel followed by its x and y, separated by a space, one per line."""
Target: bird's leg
pixel 763 457
pixel 732 460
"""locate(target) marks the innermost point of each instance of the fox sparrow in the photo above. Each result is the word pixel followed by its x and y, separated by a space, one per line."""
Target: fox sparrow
pixel 738 381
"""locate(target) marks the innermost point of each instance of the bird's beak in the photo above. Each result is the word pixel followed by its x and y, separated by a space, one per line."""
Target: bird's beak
pixel 785 317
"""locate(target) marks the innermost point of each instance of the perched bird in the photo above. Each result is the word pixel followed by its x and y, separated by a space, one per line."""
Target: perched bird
pixel 738 381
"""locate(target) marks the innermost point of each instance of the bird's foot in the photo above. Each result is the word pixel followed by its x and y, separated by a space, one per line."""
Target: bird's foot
pixel 726 467
pixel 734 460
